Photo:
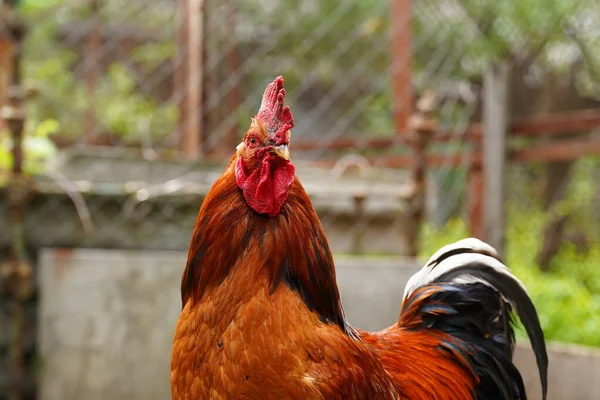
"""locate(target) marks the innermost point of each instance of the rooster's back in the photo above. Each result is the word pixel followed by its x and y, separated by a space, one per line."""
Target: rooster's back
pixel 455 338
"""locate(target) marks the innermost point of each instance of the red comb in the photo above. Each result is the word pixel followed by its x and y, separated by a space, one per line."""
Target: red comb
pixel 276 117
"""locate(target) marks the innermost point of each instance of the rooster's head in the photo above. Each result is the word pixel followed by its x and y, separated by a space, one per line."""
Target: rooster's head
pixel 263 169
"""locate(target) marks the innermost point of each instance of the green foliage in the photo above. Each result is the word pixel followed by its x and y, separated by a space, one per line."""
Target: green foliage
pixel 33 6
pixel 124 111
pixel 151 55
pixel 341 48
pixel 379 118
pixel 481 31
pixel 57 67
pixel 579 200
pixel 37 148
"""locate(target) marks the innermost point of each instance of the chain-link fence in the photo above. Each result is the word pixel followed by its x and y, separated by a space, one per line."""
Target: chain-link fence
pixel 127 74
pixel 124 68
pixel 126 90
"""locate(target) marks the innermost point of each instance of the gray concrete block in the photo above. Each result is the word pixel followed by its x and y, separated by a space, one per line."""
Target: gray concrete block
pixel 106 323
pixel 573 374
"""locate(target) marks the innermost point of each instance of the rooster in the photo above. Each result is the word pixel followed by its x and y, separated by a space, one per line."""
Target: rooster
pixel 262 317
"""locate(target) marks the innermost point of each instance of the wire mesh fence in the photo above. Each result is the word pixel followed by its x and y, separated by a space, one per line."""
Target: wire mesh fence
pixel 124 90
pixel 123 68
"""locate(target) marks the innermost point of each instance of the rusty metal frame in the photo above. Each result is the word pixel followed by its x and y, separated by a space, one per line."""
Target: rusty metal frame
pixel 17 273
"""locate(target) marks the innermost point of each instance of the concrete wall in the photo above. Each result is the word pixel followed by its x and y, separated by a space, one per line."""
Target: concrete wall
pixel 359 213
pixel 574 372
pixel 107 318
pixel 105 322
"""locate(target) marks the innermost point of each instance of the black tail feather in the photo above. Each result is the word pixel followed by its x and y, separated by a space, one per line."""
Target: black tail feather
pixel 467 292
pixel 512 291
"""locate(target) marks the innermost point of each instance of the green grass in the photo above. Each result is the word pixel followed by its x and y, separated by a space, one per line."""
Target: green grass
pixel 567 298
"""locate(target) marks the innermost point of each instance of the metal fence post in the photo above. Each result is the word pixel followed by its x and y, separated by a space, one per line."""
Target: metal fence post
pixel 401 68
pixel 92 71
pixel 421 128
pixel 475 193
pixel 496 125
pixel 17 274
pixel 189 77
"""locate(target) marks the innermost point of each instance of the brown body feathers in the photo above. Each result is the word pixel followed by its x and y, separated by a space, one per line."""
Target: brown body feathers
pixel 262 317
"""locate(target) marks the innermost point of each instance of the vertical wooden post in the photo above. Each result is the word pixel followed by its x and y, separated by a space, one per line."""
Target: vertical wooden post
pixel 475 196
pixel 192 143
pixel 421 128
pixel 495 121
pixel 359 222
pixel 190 76
pixel 6 61
pixel 16 276
pixel 401 68
pixel 233 98
pixel 180 71
pixel 215 71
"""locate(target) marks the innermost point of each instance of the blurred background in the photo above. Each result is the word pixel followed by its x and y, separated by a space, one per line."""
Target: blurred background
pixel 417 123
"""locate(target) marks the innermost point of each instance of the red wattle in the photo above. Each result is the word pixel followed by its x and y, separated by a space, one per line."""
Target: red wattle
pixel 267 187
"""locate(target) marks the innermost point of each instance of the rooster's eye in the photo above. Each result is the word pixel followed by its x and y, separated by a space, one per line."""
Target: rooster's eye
pixel 253 142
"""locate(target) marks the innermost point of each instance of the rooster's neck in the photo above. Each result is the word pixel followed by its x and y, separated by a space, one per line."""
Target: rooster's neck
pixel 289 249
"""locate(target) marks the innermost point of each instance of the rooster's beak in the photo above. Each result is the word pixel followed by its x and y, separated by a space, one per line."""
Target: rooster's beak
pixel 281 151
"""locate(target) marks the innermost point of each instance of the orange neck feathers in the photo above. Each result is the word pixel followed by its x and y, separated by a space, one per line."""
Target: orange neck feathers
pixel 293 252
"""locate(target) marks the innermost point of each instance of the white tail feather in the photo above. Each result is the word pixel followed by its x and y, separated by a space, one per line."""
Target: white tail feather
pixel 465 252
pixel 472 244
